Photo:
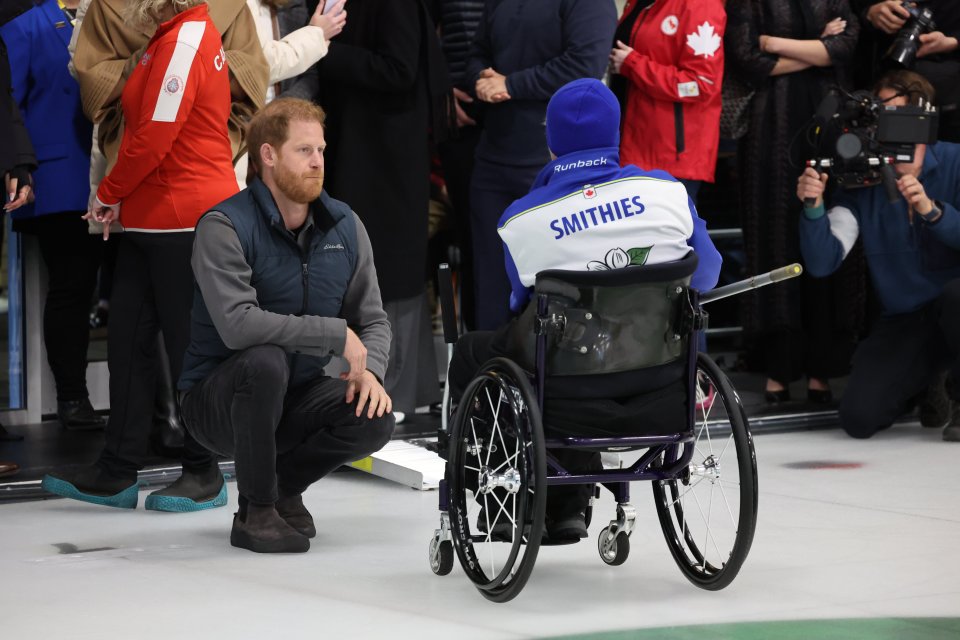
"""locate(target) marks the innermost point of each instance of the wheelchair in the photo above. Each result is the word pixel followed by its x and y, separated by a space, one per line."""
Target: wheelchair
pixel 616 327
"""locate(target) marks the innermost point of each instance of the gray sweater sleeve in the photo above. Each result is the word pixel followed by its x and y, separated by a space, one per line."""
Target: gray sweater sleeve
pixel 363 309
pixel 223 276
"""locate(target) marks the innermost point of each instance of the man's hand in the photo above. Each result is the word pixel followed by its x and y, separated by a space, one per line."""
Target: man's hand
pixel 365 388
pixel 935 42
pixel 463 120
pixel 492 86
pixel 331 19
pixel 104 214
pixel 888 16
pixel 356 356
pixel 618 55
pixel 915 195
pixel 18 189
pixel 811 185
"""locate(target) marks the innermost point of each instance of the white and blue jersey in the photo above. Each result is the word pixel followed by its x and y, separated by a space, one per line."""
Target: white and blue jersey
pixel 586 213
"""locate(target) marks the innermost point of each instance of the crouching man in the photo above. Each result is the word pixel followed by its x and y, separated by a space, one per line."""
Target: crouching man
pixel 285 280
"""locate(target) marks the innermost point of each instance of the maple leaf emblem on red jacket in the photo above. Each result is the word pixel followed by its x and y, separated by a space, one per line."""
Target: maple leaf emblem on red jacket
pixel 705 41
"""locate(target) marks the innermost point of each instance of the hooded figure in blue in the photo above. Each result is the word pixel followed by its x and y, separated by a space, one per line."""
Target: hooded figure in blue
pixel 586 212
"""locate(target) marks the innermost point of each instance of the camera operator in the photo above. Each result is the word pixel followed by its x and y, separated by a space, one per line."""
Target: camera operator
pixel 937 56
pixel 913 254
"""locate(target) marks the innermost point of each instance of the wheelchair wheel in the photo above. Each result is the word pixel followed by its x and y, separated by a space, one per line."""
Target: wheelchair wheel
pixel 708 513
pixel 614 549
pixel 496 476
pixel 440 555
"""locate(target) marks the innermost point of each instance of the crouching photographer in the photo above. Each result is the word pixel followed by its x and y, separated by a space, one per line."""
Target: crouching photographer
pixel 913 253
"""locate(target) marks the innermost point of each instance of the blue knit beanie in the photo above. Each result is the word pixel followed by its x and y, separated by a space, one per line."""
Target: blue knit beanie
pixel 583 114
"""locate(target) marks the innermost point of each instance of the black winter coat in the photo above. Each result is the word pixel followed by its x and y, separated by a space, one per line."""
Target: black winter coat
pixel 15 147
pixel 374 88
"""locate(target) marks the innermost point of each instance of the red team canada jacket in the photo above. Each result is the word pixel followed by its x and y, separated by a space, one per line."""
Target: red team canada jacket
pixel 672 118
pixel 175 160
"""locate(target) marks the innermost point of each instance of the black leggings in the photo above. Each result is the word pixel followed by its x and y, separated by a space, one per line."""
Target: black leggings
pixel 72 257
pixel 152 292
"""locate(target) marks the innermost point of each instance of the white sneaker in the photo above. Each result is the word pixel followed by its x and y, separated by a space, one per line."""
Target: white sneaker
pixel 399 416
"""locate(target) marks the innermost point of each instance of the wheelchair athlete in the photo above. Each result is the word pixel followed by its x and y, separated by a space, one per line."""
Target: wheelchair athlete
pixel 586 212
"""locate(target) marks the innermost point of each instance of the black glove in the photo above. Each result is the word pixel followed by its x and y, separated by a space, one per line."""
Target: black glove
pixel 21 173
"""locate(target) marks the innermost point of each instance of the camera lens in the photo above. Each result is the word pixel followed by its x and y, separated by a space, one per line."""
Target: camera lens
pixel 903 51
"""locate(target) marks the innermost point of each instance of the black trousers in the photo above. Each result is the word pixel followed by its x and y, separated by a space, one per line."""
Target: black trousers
pixel 900 358
pixel 280 438
pixel 470 353
pixel 72 257
pixel 152 292
pixel 457 157
pixel 492 190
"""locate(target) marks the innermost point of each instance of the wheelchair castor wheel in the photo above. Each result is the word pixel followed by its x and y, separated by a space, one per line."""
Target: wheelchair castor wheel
pixel 441 556
pixel 614 547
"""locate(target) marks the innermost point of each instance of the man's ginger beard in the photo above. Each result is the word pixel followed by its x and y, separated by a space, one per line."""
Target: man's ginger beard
pixel 303 188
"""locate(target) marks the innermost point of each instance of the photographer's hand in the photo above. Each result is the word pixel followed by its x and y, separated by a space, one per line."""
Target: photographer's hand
pixel 934 43
pixel 915 195
pixel 888 16
pixel 810 186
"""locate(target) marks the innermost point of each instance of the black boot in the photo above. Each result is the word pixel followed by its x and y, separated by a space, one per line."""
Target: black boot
pixel 168 428
pixel 260 528
pixel 94 485
pixel 78 415
pixel 291 509
pixel 6 436
pixel 194 490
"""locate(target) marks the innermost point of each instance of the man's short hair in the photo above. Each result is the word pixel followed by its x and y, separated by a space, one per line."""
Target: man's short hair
pixel 271 125
pixel 907 83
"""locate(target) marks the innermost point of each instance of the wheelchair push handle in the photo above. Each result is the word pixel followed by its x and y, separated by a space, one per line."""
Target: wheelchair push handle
pixel 762 280
pixel 448 309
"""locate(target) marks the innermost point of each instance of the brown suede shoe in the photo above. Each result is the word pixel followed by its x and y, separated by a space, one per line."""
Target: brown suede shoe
pixel 8 468
pixel 293 512
pixel 264 531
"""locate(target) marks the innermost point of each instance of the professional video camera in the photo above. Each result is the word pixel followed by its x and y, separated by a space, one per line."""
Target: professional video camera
pixel 903 51
pixel 861 138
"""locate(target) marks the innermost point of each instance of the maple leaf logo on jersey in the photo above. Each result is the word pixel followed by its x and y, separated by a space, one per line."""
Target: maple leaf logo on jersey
pixel 589 192
pixel 705 41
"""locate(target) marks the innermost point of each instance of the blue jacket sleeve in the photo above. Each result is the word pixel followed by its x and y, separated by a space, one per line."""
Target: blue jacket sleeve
pixel 708 267
pixel 587 35
pixel 519 294
pixel 481 56
pixel 822 252
pixel 947 228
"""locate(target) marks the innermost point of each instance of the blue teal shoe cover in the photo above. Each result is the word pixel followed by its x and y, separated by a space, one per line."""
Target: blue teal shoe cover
pixel 180 504
pixel 126 499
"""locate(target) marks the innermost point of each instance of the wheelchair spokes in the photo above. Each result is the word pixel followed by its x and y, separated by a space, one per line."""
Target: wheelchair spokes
pixel 708 514
pixel 493 476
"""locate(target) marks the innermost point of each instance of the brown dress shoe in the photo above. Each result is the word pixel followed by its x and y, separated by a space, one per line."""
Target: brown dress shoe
pixel 8 468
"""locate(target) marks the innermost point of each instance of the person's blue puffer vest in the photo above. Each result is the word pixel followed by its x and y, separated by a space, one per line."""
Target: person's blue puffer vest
pixel 287 280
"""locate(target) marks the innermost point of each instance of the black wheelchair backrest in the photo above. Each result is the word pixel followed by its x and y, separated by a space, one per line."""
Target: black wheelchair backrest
pixel 601 322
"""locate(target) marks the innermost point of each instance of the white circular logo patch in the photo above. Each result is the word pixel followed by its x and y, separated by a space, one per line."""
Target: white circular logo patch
pixel 173 84
pixel 670 25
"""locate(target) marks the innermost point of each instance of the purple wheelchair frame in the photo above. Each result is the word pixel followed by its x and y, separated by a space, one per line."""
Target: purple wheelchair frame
pixel 618 480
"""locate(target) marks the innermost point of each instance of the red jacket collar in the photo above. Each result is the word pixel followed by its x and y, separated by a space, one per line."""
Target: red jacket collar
pixel 198 12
